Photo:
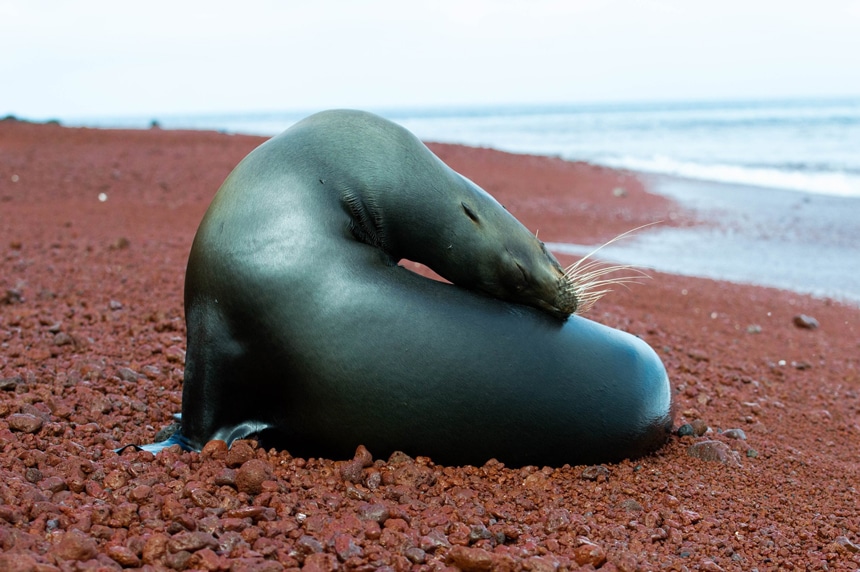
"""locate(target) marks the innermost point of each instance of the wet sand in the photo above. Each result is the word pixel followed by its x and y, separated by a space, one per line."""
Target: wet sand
pixel 91 354
pixel 797 241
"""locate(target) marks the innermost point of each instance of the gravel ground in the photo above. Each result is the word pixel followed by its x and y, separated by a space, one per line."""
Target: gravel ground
pixel 96 227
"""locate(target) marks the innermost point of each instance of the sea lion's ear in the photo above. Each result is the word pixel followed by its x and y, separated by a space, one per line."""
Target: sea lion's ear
pixel 470 213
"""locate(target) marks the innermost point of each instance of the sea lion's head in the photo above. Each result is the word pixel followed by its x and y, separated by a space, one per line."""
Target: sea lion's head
pixel 480 246
pixel 508 262
pixel 420 209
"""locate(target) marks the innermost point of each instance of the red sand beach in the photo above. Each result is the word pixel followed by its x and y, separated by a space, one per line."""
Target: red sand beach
pixel 92 344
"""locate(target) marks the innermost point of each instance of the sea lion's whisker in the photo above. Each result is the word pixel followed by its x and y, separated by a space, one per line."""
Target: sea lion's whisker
pixel 623 280
pixel 584 277
pixel 610 241
pixel 589 274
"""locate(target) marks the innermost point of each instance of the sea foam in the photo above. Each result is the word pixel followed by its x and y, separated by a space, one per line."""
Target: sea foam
pixel 812 181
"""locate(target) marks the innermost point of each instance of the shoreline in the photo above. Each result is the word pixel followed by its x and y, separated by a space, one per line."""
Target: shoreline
pixel 92 339
pixel 801 242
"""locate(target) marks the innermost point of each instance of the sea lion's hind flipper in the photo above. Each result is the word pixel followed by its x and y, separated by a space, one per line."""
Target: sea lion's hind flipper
pixel 169 436
pixel 240 431
pixel 226 434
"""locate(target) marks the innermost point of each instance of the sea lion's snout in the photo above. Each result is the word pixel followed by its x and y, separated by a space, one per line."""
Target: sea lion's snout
pixel 566 300
pixel 559 300
pixel 533 277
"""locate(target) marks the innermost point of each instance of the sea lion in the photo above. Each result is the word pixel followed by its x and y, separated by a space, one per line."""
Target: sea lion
pixel 304 330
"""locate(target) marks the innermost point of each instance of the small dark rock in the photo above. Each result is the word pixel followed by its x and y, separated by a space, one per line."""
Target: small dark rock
pixel 177 560
pixel 594 473
pixel 167 432
pixel 713 451
pixel 10 383
pixel 630 505
pixel 120 244
pixel 415 555
pixel 63 339
pixel 805 322
pixel 345 547
pixel 398 457
pixel 479 532
pixel 191 541
pixel 376 512
pixel 127 374
pixel 309 545
pixel 151 371
pixel 735 434
pixel 685 430
pixel 12 296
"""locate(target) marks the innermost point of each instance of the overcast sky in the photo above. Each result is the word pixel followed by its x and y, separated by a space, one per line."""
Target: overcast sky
pixel 106 58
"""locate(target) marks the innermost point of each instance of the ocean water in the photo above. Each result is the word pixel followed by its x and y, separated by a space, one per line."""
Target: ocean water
pixel 781 179
pixel 811 146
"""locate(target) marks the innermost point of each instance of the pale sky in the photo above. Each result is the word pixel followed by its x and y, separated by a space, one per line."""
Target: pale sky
pixel 68 59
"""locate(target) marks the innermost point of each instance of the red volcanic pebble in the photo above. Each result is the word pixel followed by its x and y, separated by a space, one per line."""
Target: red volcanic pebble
pixel 123 556
pixel 75 545
pixel 92 341
pixel 714 451
pixel 24 422
pixel 251 475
